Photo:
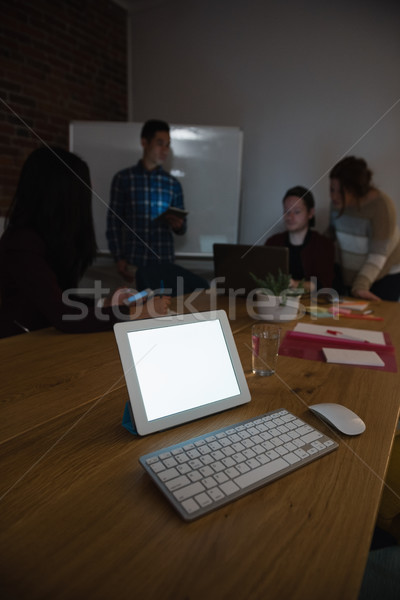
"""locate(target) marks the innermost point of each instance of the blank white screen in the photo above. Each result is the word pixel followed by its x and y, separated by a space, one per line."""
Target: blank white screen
pixel 182 367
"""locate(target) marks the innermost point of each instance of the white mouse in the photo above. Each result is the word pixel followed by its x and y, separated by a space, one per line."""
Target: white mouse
pixel 340 417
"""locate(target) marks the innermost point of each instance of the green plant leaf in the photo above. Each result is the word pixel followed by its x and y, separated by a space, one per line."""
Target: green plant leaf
pixel 278 284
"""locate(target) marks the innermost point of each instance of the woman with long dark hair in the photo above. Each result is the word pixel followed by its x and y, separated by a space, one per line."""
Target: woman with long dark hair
pixel 47 246
pixel 363 220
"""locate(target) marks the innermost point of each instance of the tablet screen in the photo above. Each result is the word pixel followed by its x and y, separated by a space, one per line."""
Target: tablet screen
pixel 180 368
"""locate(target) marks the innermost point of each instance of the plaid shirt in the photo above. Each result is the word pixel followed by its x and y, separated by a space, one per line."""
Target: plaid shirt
pixel 132 234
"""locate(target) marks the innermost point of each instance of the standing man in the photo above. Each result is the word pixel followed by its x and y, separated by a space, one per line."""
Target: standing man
pixel 138 234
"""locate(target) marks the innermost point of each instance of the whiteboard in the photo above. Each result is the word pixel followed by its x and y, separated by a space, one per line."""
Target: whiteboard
pixel 206 160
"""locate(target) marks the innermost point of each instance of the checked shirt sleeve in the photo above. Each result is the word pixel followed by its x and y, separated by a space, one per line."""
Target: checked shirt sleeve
pixel 177 201
pixel 116 217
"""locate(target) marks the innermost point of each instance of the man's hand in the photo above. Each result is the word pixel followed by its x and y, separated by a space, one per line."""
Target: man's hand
pixel 155 307
pixel 176 223
pixel 125 270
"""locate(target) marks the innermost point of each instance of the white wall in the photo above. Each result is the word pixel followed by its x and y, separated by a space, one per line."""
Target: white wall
pixel 308 82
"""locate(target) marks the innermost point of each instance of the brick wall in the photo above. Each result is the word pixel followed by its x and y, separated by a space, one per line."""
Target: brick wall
pixel 60 61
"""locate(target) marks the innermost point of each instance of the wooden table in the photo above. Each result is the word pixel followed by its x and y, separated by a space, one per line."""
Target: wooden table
pixel 81 519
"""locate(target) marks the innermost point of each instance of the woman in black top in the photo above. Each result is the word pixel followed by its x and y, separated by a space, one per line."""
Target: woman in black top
pixel 48 244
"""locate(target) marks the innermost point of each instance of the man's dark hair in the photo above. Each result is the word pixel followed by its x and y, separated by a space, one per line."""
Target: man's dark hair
pixel 150 128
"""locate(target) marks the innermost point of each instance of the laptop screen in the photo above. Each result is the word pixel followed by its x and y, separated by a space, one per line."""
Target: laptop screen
pixel 178 368
pixel 233 264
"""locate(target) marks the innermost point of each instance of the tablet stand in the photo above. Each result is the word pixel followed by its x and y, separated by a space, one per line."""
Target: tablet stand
pixel 127 420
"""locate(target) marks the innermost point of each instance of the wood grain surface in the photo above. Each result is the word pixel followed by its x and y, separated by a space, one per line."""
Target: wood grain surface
pixel 81 519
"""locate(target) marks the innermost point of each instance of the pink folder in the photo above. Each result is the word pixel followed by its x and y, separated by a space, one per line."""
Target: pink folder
pixel 309 347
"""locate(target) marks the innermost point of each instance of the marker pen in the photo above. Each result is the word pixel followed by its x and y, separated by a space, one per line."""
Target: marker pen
pixel 144 295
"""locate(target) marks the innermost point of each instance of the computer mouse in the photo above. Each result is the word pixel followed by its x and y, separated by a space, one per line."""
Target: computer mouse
pixel 344 419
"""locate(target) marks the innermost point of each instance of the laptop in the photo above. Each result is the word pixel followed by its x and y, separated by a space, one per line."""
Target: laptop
pixel 234 262
pixel 179 368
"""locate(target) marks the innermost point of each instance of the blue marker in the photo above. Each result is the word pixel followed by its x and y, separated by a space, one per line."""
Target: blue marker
pixel 144 295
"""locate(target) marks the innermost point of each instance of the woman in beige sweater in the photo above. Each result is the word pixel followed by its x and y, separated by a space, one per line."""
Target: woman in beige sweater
pixel 363 220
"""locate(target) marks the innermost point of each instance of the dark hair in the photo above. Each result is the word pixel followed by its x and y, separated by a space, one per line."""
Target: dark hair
pixel 353 174
pixel 301 192
pixel 150 128
pixel 53 197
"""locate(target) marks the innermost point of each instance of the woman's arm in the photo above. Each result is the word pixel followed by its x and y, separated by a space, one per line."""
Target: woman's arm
pixel 383 239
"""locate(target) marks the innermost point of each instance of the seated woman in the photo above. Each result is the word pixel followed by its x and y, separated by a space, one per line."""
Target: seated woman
pixel 48 243
pixel 311 255
pixel 363 220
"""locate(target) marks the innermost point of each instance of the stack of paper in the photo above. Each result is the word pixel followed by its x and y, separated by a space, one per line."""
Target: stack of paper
pixel 341 356
pixel 359 305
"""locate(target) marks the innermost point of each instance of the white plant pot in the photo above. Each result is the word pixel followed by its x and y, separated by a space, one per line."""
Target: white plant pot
pixel 270 308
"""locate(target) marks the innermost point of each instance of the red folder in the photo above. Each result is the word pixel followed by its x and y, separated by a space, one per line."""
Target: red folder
pixel 309 346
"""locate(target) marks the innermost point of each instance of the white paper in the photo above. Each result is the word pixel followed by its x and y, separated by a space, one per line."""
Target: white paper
pixel 337 333
pixel 342 356
pixel 358 306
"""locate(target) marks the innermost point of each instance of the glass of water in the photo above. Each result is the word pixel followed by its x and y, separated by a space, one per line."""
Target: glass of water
pixel 265 345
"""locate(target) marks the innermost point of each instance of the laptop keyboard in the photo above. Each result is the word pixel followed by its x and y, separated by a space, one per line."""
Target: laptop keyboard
pixel 208 471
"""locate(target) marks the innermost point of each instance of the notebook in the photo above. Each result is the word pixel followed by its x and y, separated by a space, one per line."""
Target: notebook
pixel 179 368
pixel 234 262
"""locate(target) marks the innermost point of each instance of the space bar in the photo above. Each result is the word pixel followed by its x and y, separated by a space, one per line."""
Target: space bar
pixel 260 473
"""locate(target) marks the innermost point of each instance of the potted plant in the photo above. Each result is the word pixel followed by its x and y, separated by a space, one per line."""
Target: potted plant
pixel 275 299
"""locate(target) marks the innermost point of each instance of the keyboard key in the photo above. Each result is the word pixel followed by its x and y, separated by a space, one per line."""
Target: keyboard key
pixel 218 455
pixel 181 458
pixel 157 466
pixel 228 462
pixel 221 477
pixel 170 462
pixel 190 490
pixel 183 469
pixel 239 457
pixel 177 451
pixel 218 466
pixel 311 437
pixel 229 488
pixel 177 483
pixel 260 473
pixel 203 499
pixel 209 482
pixel 193 453
pixel 233 472
pixel 216 494
pixel 190 506
pixel 243 468
pixel 168 474
pixel 195 476
pixel 292 458
pixel 206 471
pixel 165 455
pixel 301 453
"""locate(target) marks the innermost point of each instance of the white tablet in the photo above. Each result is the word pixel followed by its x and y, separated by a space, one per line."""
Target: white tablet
pixel 179 368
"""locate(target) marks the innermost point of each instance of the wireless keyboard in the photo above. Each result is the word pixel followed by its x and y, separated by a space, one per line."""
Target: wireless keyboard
pixel 208 471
